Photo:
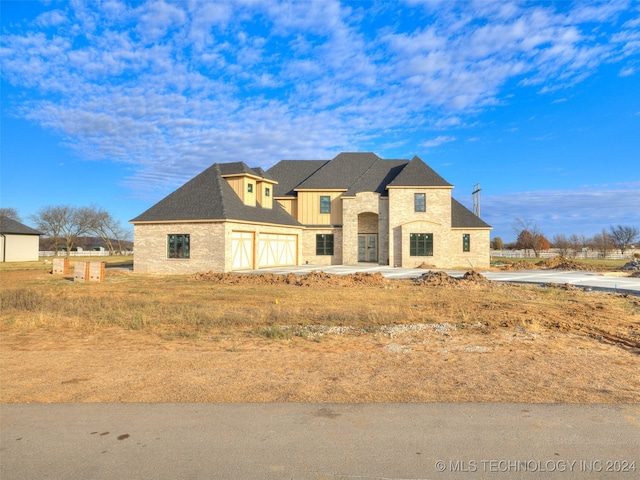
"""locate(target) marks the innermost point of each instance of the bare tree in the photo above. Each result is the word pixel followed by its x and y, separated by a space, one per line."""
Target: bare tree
pixel 601 243
pixel 51 221
pixel 623 236
pixel 561 242
pixel 578 243
pixel 11 213
pixel 109 230
pixel 63 223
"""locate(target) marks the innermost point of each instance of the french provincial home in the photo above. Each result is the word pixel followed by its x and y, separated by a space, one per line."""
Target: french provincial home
pixel 355 208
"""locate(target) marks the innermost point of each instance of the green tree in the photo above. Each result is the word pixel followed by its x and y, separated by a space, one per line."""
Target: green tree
pixel 497 243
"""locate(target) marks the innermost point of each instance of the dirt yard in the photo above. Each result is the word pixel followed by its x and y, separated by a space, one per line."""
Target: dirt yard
pixel 316 338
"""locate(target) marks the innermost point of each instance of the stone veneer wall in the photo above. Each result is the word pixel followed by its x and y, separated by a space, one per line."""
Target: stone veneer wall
pixel 447 242
pixel 404 220
pixel 366 202
pixel 309 247
pixel 480 254
pixel 207 242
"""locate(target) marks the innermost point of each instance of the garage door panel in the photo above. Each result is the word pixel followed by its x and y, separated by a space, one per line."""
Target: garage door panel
pixel 277 250
pixel 241 250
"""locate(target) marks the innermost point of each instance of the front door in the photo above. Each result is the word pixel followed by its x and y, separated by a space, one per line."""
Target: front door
pixel 368 247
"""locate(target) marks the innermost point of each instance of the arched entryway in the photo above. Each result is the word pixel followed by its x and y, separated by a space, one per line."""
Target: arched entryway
pixel 368 237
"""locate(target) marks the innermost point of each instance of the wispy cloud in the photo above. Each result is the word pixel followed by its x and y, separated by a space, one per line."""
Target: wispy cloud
pixel 439 140
pixel 590 209
pixel 169 88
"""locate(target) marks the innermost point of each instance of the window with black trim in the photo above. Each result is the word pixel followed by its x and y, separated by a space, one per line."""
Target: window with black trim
pixel 325 204
pixel 267 192
pixel 419 202
pixel 421 244
pixel 250 187
pixel 178 245
pixel 466 242
pixel 324 244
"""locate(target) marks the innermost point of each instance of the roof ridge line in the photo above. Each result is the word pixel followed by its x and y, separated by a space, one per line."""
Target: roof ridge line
pixel 218 179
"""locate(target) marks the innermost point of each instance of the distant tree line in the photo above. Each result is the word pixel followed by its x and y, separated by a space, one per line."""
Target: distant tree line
pixel 530 238
pixel 65 227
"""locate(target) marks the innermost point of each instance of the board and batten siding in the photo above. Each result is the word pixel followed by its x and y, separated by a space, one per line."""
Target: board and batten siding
pixel 290 205
pixel 309 208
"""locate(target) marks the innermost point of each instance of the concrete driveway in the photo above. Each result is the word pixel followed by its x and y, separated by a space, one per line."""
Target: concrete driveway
pixel 612 282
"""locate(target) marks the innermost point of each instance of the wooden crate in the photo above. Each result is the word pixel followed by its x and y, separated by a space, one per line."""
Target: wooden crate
pixel 81 272
pixel 96 271
pixel 61 266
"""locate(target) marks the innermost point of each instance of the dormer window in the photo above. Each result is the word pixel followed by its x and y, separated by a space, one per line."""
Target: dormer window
pixel 267 192
pixel 250 187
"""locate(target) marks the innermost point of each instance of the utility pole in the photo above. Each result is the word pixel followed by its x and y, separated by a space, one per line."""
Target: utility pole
pixel 476 199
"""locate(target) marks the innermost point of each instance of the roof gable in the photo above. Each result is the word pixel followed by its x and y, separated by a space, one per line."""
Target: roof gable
pixel 377 177
pixel 341 172
pixel 11 226
pixel 418 174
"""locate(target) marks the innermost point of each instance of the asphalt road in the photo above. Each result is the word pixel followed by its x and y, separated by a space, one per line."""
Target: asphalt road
pixel 319 441
pixel 587 280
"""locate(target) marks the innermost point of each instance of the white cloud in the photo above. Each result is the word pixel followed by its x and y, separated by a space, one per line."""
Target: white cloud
pixel 439 140
pixel 627 72
pixel 170 87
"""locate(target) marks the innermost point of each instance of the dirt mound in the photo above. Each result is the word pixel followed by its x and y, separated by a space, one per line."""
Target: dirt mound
pixel 475 277
pixel 312 279
pixel 439 279
pixel 563 263
pixel 435 279
pixel 426 265
pixel 514 266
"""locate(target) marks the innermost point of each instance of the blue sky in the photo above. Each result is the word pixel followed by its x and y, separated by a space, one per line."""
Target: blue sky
pixel 117 104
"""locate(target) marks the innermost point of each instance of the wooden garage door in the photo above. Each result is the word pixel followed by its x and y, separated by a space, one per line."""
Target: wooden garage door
pixel 242 250
pixel 276 250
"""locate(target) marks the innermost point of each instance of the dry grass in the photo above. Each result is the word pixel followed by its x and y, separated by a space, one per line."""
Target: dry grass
pixel 174 338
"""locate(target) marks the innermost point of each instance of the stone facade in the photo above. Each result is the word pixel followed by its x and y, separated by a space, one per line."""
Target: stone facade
pixel 309 256
pixel 207 242
pixel 366 212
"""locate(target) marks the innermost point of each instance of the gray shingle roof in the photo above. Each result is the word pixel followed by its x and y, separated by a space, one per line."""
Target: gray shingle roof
pixel 291 173
pixel 353 172
pixel 462 217
pixel 341 172
pixel 418 174
pixel 11 226
pixel 377 177
pixel 208 196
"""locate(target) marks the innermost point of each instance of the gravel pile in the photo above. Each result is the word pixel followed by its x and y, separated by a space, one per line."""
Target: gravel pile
pixel 632 265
